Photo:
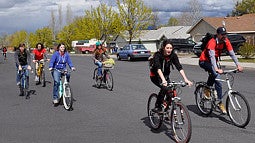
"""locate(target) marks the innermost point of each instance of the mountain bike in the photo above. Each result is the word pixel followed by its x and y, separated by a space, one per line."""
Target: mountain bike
pixel 237 106
pixel 65 92
pixel 106 79
pixel 174 113
pixel 24 82
pixel 40 73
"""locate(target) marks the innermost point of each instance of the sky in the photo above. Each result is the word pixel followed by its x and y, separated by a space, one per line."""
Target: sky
pixel 30 15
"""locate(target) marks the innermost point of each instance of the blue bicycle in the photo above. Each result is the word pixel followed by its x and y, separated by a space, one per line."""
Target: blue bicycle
pixel 24 82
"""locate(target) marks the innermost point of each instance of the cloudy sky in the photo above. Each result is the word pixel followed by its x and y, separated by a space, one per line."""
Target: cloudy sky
pixel 30 15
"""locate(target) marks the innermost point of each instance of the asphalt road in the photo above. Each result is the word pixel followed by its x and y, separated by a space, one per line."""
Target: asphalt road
pixel 102 116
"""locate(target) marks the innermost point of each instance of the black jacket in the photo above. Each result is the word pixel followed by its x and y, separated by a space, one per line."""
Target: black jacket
pixel 164 63
pixel 22 58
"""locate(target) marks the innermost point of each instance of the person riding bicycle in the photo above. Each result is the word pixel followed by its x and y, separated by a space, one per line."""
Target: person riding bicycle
pixel 99 54
pixel 160 71
pixel 57 64
pixel 39 54
pixel 22 60
pixel 4 52
pixel 209 58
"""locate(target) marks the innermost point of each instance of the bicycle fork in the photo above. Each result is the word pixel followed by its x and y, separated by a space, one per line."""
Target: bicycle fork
pixel 233 100
pixel 178 121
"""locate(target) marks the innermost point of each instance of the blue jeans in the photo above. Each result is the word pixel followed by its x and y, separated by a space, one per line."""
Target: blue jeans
pixel 18 75
pixel 56 77
pixel 100 65
pixel 212 76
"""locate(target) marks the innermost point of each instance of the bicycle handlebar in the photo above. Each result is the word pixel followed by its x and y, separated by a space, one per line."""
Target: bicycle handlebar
pixel 180 83
pixel 230 71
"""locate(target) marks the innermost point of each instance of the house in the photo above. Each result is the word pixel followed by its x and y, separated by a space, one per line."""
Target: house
pixel 244 25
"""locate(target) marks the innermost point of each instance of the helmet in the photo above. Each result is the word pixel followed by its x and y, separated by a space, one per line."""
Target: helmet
pixel 98 43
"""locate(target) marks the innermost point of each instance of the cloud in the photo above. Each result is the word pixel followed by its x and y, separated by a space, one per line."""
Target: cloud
pixel 30 15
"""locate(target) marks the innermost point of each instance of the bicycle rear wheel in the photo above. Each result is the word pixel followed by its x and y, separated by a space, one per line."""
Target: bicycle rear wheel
pixel 155 118
pixel 109 80
pixel 67 97
pixel 181 123
pixel 238 109
pixel 96 79
pixel 204 105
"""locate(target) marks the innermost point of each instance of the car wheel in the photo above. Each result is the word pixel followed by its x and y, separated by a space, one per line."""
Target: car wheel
pixel 129 58
pixel 86 52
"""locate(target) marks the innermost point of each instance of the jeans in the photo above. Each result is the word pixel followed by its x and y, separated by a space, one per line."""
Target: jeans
pixel 212 76
pixel 56 77
pixel 100 65
pixel 18 76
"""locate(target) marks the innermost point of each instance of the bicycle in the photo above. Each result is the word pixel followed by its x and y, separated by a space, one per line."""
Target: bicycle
pixel 237 106
pixel 106 79
pixel 65 92
pixel 40 73
pixel 24 82
pixel 174 113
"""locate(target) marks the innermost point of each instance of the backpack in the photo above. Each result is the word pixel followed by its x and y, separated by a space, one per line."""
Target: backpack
pixel 205 40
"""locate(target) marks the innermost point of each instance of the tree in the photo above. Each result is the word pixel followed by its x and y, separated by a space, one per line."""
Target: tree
pixel 244 7
pixel 172 22
pixel 135 16
pixel 69 14
pixel 191 14
pixel 19 37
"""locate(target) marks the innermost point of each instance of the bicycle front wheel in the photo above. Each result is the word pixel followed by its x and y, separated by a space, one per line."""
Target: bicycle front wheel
pixel 181 123
pixel 238 109
pixel 96 79
pixel 204 105
pixel 67 98
pixel 155 118
pixel 109 80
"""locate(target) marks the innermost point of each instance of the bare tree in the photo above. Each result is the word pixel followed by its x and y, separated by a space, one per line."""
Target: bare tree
pixel 53 25
pixel 69 14
pixel 60 18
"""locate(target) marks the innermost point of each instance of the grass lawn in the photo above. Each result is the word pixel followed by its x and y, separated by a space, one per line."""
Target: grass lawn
pixel 251 60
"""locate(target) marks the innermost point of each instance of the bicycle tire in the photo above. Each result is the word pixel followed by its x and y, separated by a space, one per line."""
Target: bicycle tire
pixel 96 79
pixel 242 117
pixel 181 123
pixel 43 78
pixel 155 119
pixel 205 106
pixel 109 80
pixel 67 98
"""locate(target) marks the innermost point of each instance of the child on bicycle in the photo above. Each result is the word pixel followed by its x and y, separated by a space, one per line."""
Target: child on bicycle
pixel 4 52
pixel 209 58
pixel 39 54
pixel 99 54
pixel 160 70
pixel 22 60
pixel 58 63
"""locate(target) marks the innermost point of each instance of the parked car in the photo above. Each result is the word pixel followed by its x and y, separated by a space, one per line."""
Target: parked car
pixel 133 51
pixel 236 41
pixel 183 45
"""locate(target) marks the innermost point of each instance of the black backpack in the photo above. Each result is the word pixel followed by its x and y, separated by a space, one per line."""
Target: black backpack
pixel 206 39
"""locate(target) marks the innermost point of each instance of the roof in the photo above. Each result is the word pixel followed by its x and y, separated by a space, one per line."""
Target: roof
pixel 168 32
pixel 237 24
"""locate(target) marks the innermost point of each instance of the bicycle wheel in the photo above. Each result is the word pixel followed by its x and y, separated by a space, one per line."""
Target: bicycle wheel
pixel 67 97
pixel 43 78
pixel 109 80
pixel 181 123
pixel 155 118
pixel 204 105
pixel 238 109
pixel 97 80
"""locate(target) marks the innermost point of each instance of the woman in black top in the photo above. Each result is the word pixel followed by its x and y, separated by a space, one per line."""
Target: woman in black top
pixel 160 70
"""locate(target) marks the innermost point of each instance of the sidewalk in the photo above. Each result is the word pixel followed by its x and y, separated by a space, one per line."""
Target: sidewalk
pixel 193 60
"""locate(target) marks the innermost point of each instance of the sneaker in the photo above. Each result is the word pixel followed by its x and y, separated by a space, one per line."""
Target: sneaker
pixel 55 101
pixel 207 93
pixel 222 108
pixel 157 110
pixel 36 78
pixel 18 83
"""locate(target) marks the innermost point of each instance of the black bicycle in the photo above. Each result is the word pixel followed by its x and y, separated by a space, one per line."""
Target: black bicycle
pixel 238 108
pixel 174 113
pixel 106 79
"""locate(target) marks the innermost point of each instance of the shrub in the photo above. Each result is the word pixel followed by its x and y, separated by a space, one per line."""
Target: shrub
pixel 247 50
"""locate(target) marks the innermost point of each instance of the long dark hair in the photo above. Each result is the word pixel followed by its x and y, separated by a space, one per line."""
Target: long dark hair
pixel 60 45
pixel 39 44
pixel 163 45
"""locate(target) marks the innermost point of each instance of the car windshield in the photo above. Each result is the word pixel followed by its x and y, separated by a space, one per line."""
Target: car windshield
pixel 138 47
